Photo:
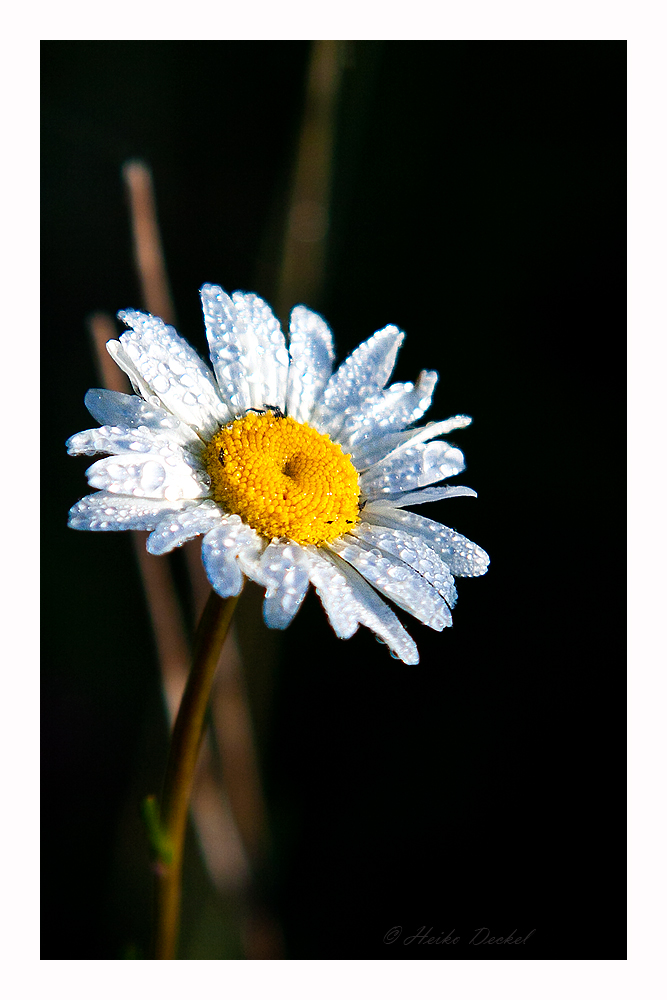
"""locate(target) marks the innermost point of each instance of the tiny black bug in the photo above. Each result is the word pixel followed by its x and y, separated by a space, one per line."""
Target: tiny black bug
pixel 275 410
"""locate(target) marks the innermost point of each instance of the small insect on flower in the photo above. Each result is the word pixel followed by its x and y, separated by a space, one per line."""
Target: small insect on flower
pixel 275 410
pixel 293 473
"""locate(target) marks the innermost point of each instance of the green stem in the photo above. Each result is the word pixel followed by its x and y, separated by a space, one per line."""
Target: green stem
pixel 185 742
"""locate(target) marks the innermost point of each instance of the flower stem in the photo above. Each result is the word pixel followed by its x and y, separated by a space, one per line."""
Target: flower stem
pixel 185 742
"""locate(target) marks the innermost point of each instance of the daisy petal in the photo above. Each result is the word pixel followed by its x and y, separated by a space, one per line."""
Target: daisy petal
pixel 429 495
pixel 163 472
pixel 365 371
pixel 391 410
pixel 311 361
pixel 124 362
pixel 377 449
pixel 440 427
pixel 411 467
pixel 463 557
pixel 163 364
pixel 120 440
pixel 108 441
pixel 120 410
pixel 230 351
pixel 247 349
pixel 284 569
pixel 396 580
pixel 176 528
pixel 432 430
pixel 413 551
pixel 272 359
pixel 349 601
pixel 108 512
pixel 228 551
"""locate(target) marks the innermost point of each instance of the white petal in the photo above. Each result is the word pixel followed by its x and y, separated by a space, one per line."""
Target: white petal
pixel 349 601
pixel 162 474
pixel 376 449
pixel 463 557
pixel 284 570
pixel 272 359
pixel 108 441
pixel 229 348
pixel 411 467
pixel 415 552
pixel 108 512
pixel 365 371
pixel 228 551
pixel 429 495
pixel 247 349
pixel 391 410
pixel 164 365
pixel 396 580
pixel 176 528
pixel 438 427
pixel 432 430
pixel 122 359
pixel 311 361
pixel 121 440
pixel 120 410
pixel 383 447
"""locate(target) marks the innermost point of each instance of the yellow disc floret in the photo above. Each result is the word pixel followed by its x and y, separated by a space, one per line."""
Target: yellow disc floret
pixel 283 478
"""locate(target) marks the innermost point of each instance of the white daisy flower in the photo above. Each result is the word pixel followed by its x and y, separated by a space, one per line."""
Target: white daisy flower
pixel 293 473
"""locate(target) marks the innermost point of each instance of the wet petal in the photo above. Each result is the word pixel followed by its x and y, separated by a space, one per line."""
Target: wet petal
pixel 395 579
pixel 271 360
pixel 365 371
pixel 384 447
pixel 113 440
pixel 349 602
pixel 109 512
pixel 415 552
pixel 162 364
pixel 120 410
pixel 284 570
pixel 175 528
pixel 411 499
pixel 311 361
pixel 463 557
pixel 247 348
pixel 164 471
pixel 389 411
pixel 411 467
pixel 228 551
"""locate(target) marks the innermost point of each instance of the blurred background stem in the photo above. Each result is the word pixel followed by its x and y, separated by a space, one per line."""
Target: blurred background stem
pixel 307 224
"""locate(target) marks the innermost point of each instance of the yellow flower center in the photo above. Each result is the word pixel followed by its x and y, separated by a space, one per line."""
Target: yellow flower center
pixel 283 478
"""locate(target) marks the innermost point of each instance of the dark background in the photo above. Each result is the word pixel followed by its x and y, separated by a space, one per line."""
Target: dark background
pixel 479 204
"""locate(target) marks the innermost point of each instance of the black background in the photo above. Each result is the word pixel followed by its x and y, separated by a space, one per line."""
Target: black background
pixel 478 203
